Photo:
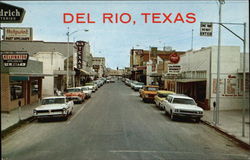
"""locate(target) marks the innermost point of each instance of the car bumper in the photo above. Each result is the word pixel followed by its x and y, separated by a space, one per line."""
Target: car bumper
pixel 41 116
pixel 188 115
pixel 75 99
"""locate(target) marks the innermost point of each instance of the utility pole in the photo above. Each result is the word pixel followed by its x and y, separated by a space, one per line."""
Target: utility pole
pixel 218 68
pixel 192 39
pixel 67 79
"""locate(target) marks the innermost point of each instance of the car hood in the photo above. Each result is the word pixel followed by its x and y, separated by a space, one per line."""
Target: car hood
pixel 73 94
pixel 139 86
pixel 187 107
pixel 51 106
pixel 87 91
pixel 150 92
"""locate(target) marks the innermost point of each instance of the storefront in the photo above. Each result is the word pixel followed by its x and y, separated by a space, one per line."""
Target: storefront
pixel 21 84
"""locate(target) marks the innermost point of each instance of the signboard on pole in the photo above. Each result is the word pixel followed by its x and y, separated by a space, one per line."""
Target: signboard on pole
pixel 15 59
pixel 174 68
pixel 206 29
pixel 17 34
pixel 10 13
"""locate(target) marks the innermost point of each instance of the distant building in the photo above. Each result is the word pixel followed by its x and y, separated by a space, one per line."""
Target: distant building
pixel 99 66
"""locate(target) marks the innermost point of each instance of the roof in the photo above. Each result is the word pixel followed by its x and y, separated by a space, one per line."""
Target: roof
pixel 165 91
pixel 180 96
pixel 151 86
pixel 54 97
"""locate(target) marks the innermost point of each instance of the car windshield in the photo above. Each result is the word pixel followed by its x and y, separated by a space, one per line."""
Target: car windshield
pixel 139 83
pixel 152 89
pixel 53 101
pixel 74 90
pixel 89 84
pixel 184 101
pixel 85 88
pixel 163 95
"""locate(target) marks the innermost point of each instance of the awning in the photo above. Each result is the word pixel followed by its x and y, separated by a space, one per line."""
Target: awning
pixel 82 71
pixel 156 75
pixel 190 80
pixel 29 74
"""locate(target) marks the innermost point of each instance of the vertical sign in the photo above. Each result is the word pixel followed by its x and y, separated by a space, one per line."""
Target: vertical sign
pixel 80 46
pixel 206 29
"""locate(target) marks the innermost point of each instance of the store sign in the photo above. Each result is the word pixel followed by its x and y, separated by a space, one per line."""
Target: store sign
pixel 10 13
pixel 174 58
pixel 17 34
pixel 79 57
pixel 174 68
pixel 206 29
pixel 15 59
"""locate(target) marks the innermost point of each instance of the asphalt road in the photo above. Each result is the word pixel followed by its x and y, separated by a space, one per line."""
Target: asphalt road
pixel 116 125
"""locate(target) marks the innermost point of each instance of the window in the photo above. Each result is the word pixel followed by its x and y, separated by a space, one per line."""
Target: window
pixel 16 90
pixel 184 101
pixel 53 101
pixel 34 87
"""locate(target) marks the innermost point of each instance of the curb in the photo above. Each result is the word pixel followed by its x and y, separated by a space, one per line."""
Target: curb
pixel 239 142
pixel 15 126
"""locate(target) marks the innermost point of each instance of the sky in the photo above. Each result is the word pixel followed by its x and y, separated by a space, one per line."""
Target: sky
pixel 115 40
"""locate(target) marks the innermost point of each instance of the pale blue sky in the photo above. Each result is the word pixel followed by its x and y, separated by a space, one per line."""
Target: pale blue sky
pixel 114 41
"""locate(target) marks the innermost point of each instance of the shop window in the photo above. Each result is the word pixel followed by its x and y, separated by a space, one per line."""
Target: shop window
pixel 34 87
pixel 16 90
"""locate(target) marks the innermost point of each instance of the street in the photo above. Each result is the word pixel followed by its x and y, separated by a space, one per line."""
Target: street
pixel 115 124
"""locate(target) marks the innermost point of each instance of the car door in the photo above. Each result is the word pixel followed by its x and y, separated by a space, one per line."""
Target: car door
pixel 168 104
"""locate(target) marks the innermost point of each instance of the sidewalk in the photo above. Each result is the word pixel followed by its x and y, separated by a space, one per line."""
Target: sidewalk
pixel 12 118
pixel 230 122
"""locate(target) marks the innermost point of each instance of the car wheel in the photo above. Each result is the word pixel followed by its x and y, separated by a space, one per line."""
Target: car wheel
pixel 172 116
pixel 197 120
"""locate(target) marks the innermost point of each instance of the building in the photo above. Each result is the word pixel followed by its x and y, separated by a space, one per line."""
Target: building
pixel 53 66
pixel 199 74
pixel 77 76
pixel 148 66
pixel 21 85
pixel 99 66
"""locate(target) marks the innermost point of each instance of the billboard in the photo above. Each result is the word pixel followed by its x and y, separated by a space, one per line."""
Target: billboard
pixel 17 34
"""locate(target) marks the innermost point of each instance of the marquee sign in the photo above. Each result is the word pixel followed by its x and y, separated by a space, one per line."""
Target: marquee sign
pixel 15 59
pixel 79 58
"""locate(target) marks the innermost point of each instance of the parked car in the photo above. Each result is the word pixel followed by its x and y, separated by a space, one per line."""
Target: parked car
pixel 148 93
pixel 92 86
pixel 132 84
pixel 182 106
pixel 160 96
pixel 75 94
pixel 86 90
pixel 138 85
pixel 58 106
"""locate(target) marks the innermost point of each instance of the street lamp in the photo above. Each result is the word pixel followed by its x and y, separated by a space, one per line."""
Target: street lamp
pixel 218 68
pixel 69 34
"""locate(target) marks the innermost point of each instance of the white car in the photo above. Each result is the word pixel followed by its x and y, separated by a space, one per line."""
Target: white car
pixel 138 85
pixel 182 106
pixel 54 107
pixel 87 90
